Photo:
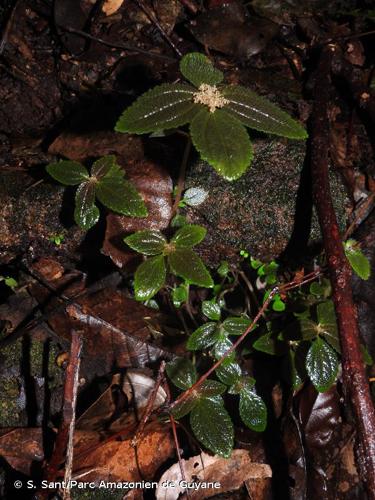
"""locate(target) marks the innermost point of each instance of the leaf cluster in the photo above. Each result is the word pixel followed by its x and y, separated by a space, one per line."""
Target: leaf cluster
pixel 218 115
pixel 106 183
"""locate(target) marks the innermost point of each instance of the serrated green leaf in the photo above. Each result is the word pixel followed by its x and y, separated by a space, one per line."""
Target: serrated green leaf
pixel 119 194
pixel 357 259
pixel 101 167
pixel 212 425
pixel 259 113
pixel 68 172
pixel 236 326
pixel 253 411
pixel 244 383
pixel 163 107
pixel 229 372
pixel 211 388
pixel 182 372
pixel 149 277
pixel 198 69
pixel 222 141
pixel 86 213
pixel 211 309
pixel 322 365
pixel 268 344
pixel 189 235
pixel 221 347
pixel 202 337
pixel 148 242
pixel 185 263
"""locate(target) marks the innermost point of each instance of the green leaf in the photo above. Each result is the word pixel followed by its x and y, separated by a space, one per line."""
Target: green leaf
pixel 119 194
pixel 68 172
pixel 259 113
pixel 202 337
pixel 198 69
pixel 367 358
pixel 211 388
pixel 211 309
pixel 101 167
pixel 357 259
pixel 185 406
pixel 268 344
pixel 322 365
pixel 194 196
pixel 303 329
pixel 229 372
pixel 223 269
pixel 86 213
pixel 252 409
pixel 244 383
pixel 182 372
pixel 236 326
pixel 328 325
pixel 221 347
pixel 189 235
pixel 148 242
pixel 186 264
pixel 278 305
pixel 180 294
pixel 222 141
pixel 165 106
pixel 149 277
pixel 212 425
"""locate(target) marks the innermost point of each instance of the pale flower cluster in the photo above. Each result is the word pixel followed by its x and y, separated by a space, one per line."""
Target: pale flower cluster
pixel 210 96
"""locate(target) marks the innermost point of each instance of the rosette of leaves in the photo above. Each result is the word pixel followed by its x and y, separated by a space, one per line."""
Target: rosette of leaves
pixel 218 115
pixel 106 183
pixel 177 254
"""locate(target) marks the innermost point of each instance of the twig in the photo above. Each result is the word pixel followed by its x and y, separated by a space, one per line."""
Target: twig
pixel 64 439
pixel 153 19
pixel 354 376
pixel 121 46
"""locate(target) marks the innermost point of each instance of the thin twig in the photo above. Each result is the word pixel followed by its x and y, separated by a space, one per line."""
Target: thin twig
pixel 356 386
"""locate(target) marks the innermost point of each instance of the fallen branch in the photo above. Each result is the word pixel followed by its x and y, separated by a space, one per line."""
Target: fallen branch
pixel 354 376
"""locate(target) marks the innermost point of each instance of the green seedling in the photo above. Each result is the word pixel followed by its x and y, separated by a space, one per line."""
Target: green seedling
pixel 218 115
pixel 106 183
pixel 177 255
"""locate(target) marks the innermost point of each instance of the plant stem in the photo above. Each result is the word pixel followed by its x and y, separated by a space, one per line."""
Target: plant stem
pixel 181 177
pixel 354 376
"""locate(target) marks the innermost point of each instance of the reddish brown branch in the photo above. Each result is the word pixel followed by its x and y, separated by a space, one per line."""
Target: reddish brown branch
pixel 64 436
pixel 354 375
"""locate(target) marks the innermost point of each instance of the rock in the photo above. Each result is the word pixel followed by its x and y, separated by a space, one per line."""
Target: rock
pixel 256 213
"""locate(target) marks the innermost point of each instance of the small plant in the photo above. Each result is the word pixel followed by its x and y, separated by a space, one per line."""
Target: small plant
pixel 178 254
pixel 10 282
pixel 218 115
pixel 106 183
pixel 57 239
pixel 267 274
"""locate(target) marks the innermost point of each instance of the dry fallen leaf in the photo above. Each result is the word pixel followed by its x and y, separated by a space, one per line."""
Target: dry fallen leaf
pixel 228 474
pixel 111 6
pixel 21 448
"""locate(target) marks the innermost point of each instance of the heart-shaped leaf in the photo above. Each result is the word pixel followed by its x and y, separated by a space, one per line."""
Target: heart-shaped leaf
pixel 259 113
pixel 101 167
pixel 211 309
pixel 86 213
pixel 198 69
pixel 68 172
pixel 189 236
pixel 202 337
pixel 119 194
pixel 252 409
pixel 147 242
pixel 182 372
pixel 229 372
pixel 186 264
pixel 212 425
pixel 357 259
pixel 163 107
pixel 322 365
pixel 235 326
pixel 149 277
pixel 222 141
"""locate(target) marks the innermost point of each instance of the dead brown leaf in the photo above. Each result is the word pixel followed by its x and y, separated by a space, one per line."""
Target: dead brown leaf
pixel 111 6
pixel 21 447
